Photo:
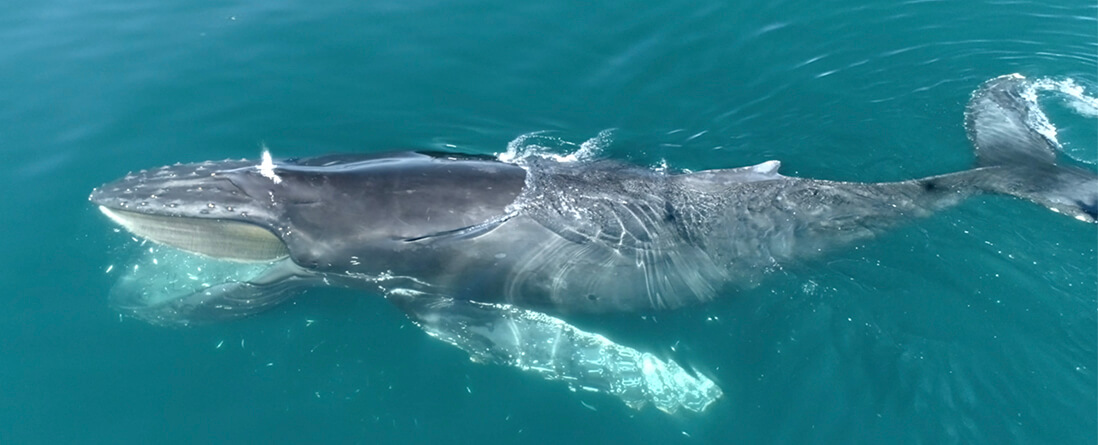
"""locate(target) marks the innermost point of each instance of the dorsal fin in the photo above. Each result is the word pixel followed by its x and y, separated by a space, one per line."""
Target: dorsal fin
pixel 765 171
pixel 767 168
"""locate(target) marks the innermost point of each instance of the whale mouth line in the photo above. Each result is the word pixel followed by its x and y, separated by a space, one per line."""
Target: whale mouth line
pixel 217 238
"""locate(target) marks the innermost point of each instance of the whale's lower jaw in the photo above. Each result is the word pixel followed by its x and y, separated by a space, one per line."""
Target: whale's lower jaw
pixel 217 238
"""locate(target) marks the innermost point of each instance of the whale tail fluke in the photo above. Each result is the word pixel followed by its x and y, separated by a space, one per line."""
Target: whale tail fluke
pixel 1013 141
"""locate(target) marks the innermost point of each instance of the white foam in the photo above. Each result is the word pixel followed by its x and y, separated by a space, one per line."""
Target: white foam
pixel 1073 95
pixel 540 144
pixel 591 148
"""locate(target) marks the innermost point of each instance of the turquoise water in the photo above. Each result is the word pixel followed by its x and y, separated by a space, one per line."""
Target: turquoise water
pixel 977 325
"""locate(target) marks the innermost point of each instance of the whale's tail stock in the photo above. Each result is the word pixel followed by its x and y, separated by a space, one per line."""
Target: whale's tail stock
pixel 1016 146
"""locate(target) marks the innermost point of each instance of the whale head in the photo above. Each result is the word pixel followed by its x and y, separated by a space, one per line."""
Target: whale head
pixel 274 227
pixel 220 229
pixel 216 209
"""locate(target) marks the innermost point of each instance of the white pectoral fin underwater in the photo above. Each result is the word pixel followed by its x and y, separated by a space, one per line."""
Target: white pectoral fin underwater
pixel 493 256
pixel 552 349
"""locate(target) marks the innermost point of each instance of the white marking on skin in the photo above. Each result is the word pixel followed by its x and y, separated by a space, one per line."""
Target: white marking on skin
pixel 266 167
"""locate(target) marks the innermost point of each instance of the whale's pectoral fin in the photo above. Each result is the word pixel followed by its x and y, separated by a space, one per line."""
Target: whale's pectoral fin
pixel 554 350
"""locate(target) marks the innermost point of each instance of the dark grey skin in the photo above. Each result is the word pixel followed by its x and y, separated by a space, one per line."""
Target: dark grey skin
pixel 565 237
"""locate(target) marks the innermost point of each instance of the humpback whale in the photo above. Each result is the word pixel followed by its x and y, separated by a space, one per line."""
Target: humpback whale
pixel 493 256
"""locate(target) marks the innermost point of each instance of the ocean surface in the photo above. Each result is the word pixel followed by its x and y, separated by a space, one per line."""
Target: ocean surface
pixel 976 325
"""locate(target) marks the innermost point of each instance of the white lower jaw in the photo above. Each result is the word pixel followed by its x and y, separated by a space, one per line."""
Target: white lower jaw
pixel 221 239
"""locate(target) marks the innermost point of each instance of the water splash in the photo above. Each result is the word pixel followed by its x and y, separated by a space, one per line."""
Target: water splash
pixel 1072 95
pixel 267 167
pixel 540 144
